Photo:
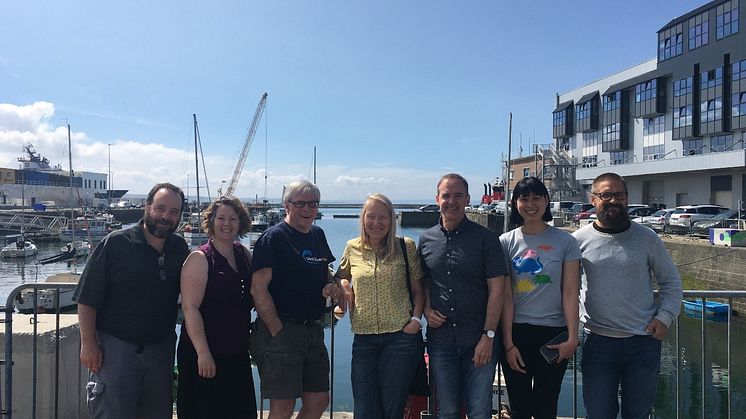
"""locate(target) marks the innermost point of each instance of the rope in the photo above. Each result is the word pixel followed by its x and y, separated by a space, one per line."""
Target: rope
pixel 707 258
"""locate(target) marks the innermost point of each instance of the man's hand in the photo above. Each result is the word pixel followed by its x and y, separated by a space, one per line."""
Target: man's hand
pixel 206 365
pixel 483 351
pixel 332 290
pixel 434 318
pixel 657 329
pixel 90 355
pixel 515 360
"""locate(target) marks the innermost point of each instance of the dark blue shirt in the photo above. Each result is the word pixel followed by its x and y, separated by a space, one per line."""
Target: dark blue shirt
pixel 457 264
pixel 300 268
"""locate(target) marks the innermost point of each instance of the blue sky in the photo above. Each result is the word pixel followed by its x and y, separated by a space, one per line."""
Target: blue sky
pixel 392 93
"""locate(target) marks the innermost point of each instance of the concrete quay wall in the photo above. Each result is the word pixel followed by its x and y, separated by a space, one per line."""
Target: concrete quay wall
pixel 72 377
pixel 707 267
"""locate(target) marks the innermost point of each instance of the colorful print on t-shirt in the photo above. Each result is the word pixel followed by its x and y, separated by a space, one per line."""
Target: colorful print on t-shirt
pixel 529 270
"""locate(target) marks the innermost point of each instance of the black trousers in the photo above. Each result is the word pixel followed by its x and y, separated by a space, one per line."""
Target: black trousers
pixel 230 394
pixel 535 393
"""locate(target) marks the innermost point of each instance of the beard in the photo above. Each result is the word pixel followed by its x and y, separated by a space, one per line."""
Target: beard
pixel 161 228
pixel 613 215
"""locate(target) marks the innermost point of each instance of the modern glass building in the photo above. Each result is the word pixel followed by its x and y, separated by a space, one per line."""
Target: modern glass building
pixel 672 126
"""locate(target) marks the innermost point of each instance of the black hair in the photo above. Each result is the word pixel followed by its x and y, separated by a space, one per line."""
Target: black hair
pixel 525 187
pixel 165 185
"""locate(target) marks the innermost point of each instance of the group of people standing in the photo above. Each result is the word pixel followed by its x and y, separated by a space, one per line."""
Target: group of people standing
pixel 484 299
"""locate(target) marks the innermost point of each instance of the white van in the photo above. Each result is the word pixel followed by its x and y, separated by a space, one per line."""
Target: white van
pixel 560 206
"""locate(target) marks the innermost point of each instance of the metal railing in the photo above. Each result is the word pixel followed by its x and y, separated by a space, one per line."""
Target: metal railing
pixel 34 290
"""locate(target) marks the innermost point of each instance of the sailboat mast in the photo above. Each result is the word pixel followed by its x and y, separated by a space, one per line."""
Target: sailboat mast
pixel 70 161
pixel 196 160
pixel 314 165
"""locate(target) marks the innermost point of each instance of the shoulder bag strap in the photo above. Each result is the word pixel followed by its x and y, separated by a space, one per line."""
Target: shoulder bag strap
pixel 406 270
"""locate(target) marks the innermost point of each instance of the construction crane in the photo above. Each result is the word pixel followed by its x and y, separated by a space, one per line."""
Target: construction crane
pixel 246 146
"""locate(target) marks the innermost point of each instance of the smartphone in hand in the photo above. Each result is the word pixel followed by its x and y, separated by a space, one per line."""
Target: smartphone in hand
pixel 551 354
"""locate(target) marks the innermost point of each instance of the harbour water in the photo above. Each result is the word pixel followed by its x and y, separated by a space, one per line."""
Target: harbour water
pixel 338 230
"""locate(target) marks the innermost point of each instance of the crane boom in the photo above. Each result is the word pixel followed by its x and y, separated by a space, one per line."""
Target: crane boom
pixel 247 145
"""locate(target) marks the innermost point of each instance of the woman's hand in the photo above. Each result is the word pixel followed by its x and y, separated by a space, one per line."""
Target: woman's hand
pixel 206 365
pixel 566 349
pixel 513 356
pixel 412 327
pixel 349 294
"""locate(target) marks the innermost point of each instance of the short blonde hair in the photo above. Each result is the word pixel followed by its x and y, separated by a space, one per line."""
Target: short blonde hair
pixel 391 247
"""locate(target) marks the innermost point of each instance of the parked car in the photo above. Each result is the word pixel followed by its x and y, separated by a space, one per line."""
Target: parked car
pixel 570 213
pixel 430 208
pixel 639 212
pixel 685 216
pixel 725 219
pixel 558 207
pixel 583 215
pixel 658 221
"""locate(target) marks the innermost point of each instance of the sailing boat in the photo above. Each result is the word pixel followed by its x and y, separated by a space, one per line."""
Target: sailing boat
pixel 75 248
pixel 192 224
pixel 21 247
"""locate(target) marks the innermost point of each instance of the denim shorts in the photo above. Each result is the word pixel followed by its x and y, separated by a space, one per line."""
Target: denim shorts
pixel 293 362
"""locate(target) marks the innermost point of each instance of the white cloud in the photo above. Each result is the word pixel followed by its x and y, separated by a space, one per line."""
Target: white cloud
pixel 137 165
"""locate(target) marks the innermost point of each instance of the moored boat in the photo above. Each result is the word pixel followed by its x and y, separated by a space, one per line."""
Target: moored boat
pixel 22 248
pixel 711 307
pixel 46 300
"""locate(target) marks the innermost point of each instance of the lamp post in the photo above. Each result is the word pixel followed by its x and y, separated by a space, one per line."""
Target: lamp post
pixel 108 186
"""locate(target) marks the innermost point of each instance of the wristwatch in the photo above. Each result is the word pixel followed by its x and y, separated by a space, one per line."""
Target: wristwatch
pixel 490 333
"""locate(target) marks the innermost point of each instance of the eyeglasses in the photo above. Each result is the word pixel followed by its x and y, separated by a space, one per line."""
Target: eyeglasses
pixel 161 268
pixel 301 204
pixel 608 196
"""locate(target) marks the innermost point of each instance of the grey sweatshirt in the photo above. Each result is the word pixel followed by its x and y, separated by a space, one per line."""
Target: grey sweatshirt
pixel 616 291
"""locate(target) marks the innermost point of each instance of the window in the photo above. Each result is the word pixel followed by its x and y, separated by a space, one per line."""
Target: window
pixel 645 91
pixel 712 78
pixel 653 138
pixel 738 104
pixel 721 143
pixel 613 101
pixel 711 110
pixel 699 31
pixel 583 110
pixel 526 172
pixel 739 70
pixel 682 117
pixel 726 21
pixel 692 147
pixel 671 43
pixel 618 157
pixel 682 87
pixel 558 118
pixel 590 149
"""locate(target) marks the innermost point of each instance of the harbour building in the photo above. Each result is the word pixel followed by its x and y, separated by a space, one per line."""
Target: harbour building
pixel 672 126
pixel 37 182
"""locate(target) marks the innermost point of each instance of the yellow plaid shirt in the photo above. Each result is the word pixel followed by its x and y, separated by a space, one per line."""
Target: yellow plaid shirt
pixel 381 297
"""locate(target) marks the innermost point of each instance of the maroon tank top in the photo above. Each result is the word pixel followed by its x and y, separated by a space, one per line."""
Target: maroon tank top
pixel 226 306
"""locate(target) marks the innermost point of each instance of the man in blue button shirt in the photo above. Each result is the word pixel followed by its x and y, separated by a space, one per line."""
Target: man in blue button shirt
pixel 465 274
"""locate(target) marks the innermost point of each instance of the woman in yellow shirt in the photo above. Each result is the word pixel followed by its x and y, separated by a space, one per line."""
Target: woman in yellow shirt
pixel 387 326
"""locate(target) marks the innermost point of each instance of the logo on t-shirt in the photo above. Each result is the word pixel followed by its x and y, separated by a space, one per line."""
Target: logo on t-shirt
pixel 310 258
pixel 528 266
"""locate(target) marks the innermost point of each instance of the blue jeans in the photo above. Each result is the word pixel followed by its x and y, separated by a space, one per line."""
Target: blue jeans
pixel 633 362
pixel 458 382
pixel 383 367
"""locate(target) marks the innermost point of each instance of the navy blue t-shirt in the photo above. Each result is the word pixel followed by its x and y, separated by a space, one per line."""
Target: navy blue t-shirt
pixel 300 268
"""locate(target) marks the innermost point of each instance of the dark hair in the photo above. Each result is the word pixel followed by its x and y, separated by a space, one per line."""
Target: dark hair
pixel 526 187
pixel 244 221
pixel 165 185
pixel 609 176
pixel 453 176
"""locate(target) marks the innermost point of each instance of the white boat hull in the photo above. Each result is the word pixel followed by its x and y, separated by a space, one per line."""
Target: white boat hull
pixel 13 251
pixel 46 301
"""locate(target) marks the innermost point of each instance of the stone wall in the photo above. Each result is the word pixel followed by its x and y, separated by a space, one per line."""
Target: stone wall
pixel 707 267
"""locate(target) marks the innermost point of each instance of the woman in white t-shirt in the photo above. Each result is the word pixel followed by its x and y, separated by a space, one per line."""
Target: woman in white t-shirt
pixel 541 303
